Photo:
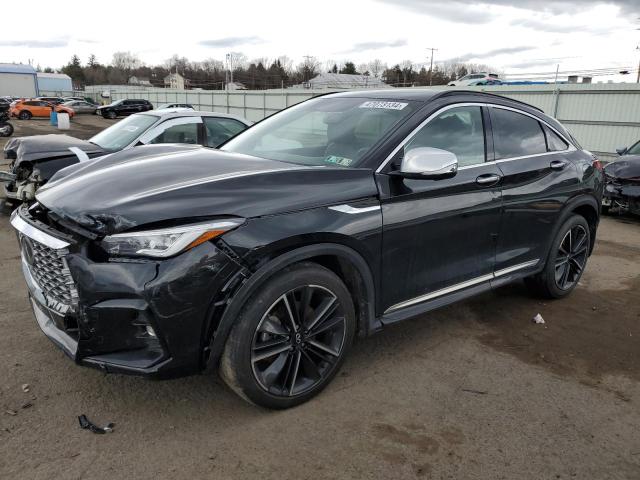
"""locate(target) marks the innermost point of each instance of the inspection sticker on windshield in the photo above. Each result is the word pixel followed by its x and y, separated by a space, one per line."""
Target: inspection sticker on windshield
pixel 385 105
pixel 345 162
pixel 131 128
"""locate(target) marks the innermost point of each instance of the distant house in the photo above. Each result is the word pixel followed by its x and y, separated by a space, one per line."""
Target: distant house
pixel 18 80
pixel 54 82
pixel 140 81
pixel 175 81
pixel 342 80
pixel 235 86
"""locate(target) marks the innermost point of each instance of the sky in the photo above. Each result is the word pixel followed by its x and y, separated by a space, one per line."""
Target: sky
pixel 516 37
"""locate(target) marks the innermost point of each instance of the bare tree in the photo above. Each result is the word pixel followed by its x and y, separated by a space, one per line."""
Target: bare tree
pixel 125 61
pixel 406 66
pixel 308 68
pixel 376 67
pixel 286 63
pixel 211 65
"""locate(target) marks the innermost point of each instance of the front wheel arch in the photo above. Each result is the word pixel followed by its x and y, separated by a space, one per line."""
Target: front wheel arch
pixel 332 256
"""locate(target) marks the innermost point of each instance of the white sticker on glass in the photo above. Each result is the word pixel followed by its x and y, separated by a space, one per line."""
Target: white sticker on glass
pixel 385 105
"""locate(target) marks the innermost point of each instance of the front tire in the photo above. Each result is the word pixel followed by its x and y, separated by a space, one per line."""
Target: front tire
pixel 24 115
pixel 566 260
pixel 291 338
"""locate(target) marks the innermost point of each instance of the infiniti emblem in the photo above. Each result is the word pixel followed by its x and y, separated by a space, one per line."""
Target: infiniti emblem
pixel 298 337
pixel 27 249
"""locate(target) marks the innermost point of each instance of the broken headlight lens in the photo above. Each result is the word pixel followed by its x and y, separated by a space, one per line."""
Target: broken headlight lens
pixel 166 242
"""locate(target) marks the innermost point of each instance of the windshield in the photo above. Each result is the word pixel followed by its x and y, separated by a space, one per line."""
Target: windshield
pixel 633 149
pixel 322 131
pixel 121 134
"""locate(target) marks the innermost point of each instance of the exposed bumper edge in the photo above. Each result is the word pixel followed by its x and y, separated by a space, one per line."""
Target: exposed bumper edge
pixel 38 235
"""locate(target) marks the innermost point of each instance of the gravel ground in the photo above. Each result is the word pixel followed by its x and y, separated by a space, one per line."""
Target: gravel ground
pixel 474 390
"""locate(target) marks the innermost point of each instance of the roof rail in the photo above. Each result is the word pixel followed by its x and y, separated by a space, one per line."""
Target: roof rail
pixel 502 97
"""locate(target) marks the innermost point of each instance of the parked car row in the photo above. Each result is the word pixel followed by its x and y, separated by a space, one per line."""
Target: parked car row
pixel 264 259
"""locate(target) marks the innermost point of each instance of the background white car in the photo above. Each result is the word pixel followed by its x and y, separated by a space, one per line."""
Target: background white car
pixel 472 78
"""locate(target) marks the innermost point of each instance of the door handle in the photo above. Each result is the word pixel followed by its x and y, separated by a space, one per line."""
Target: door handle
pixel 557 164
pixel 488 179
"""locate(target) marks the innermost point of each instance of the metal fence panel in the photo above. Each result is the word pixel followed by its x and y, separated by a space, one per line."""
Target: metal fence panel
pixel 601 116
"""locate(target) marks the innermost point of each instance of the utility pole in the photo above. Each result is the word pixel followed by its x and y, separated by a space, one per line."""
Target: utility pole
pixel 431 67
pixel 307 69
pixel 638 78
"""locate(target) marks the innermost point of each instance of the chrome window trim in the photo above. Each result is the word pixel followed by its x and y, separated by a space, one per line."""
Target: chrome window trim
pixel 35 234
pixel 413 133
pixel 462 285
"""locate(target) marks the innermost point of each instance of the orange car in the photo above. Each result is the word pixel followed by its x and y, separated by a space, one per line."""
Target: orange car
pixel 25 109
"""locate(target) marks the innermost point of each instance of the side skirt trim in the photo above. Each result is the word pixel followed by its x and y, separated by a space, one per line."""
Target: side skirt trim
pixel 462 285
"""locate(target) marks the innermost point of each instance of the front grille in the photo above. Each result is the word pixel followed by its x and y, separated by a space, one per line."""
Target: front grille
pixel 51 272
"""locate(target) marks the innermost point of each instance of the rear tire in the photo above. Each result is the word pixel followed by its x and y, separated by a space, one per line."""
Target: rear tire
pixel 291 338
pixel 566 260
pixel 25 115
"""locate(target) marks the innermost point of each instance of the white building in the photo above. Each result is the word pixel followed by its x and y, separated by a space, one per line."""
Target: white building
pixel 342 81
pixel 18 80
pixel 175 81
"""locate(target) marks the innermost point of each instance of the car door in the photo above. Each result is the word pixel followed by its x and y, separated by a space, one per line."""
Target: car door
pixel 439 235
pixel 538 179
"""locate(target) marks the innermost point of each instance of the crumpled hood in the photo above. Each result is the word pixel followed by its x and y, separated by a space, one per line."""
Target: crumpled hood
pixel 627 167
pixel 45 147
pixel 157 183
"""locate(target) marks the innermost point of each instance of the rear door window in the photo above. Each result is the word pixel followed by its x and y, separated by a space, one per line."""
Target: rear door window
pixel 516 134
pixel 185 133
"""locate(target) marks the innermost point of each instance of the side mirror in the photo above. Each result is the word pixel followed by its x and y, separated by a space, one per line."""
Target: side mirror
pixel 429 163
pixel 621 150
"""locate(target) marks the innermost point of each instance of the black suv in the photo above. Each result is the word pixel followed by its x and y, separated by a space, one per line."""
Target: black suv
pixel 326 221
pixel 124 107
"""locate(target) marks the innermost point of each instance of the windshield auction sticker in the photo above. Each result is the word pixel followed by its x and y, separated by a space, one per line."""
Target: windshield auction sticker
pixel 385 105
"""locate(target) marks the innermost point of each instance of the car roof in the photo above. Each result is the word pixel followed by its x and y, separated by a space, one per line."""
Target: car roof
pixel 426 95
pixel 176 113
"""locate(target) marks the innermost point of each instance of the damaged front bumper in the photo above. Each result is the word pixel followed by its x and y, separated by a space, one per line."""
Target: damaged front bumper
pixel 622 197
pixel 150 318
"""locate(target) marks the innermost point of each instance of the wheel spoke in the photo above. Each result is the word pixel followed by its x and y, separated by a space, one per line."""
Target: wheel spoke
pixel 561 261
pixel 576 265
pixel 272 326
pixel 310 367
pixel 294 373
pixel 327 307
pixel 271 352
pixel 580 252
pixel 323 348
pixel 292 319
pixel 580 244
pixel 328 324
pixel 273 371
pixel 274 342
pixel 305 299
pixel 565 276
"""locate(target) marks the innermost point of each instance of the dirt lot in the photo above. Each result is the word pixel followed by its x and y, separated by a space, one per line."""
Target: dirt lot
pixel 475 390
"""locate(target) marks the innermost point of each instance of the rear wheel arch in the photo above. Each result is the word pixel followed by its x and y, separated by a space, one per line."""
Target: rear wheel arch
pixel 584 205
pixel 344 261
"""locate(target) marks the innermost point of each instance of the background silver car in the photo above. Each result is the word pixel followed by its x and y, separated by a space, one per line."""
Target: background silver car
pixel 80 106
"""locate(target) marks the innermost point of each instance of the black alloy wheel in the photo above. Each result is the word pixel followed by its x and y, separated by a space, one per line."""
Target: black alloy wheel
pixel 566 261
pixel 298 340
pixel 24 115
pixel 290 338
pixel 571 257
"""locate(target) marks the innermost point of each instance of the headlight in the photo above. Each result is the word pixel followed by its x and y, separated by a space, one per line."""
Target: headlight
pixel 166 242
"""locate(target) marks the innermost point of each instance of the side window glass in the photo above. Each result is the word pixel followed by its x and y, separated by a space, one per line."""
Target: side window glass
pixel 458 130
pixel 515 134
pixel 554 142
pixel 186 133
pixel 219 130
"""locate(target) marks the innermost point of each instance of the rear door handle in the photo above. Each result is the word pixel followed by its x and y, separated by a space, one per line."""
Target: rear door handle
pixel 557 164
pixel 488 179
